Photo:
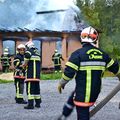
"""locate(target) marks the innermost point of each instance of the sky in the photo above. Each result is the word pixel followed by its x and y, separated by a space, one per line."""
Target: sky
pixel 22 13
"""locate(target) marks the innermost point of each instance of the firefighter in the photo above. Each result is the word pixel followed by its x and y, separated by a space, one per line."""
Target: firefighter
pixel 56 58
pixel 19 74
pixel 87 65
pixel 5 60
pixel 67 108
pixel 32 62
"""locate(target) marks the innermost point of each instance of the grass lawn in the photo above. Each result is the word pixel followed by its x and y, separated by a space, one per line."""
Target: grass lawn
pixel 54 76
pixel 5 81
pixel 51 76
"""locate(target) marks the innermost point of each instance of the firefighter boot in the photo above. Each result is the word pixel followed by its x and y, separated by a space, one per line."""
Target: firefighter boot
pixel 60 71
pixel 37 103
pixel 20 101
pixel 30 105
pixel 55 71
pixel 23 101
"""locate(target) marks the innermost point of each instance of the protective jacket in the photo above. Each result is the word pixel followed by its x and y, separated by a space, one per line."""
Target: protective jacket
pixel 56 58
pixel 19 72
pixel 34 64
pixel 5 60
pixel 87 66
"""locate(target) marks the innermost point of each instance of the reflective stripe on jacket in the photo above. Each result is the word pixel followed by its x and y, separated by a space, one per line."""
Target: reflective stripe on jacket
pixel 19 72
pixel 57 59
pixel 87 65
pixel 34 65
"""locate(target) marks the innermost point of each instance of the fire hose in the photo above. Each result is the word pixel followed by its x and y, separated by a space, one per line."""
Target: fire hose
pixel 105 100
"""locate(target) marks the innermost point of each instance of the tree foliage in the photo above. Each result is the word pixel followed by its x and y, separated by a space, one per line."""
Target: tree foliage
pixel 104 15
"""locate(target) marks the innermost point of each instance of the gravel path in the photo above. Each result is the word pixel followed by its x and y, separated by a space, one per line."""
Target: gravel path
pixel 52 103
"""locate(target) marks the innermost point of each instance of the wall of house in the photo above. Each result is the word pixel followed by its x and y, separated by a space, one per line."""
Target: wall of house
pixel 64 50
pixel 48 48
pixel 73 44
pixel 69 44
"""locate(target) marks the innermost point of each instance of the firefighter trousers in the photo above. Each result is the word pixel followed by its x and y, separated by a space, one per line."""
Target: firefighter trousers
pixel 5 69
pixel 68 106
pixel 82 112
pixel 19 87
pixel 33 93
pixel 57 68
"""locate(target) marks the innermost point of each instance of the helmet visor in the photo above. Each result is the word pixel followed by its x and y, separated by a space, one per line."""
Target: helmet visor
pixel 92 36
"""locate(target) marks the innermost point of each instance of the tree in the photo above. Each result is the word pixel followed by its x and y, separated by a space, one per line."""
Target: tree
pixel 104 15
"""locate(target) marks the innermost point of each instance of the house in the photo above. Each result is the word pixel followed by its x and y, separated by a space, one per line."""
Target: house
pixel 46 41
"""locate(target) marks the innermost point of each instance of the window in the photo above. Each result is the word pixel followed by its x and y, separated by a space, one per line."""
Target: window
pixel 38 45
pixel 10 44
pixel 59 46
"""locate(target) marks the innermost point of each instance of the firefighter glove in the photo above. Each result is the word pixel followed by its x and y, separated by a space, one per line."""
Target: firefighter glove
pixel 61 85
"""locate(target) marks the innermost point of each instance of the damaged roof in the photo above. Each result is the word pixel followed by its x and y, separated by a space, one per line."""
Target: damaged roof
pixel 25 32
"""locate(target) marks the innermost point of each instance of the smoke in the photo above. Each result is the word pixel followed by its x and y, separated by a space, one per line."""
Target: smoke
pixel 22 13
pixel 2 1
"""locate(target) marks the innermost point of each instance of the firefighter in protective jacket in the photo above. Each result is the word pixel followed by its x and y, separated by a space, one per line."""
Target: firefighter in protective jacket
pixel 32 62
pixel 19 74
pixel 87 65
pixel 5 60
pixel 56 58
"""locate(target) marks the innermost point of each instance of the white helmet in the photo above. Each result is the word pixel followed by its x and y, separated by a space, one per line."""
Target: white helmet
pixel 89 34
pixel 56 50
pixel 21 46
pixel 6 50
pixel 29 44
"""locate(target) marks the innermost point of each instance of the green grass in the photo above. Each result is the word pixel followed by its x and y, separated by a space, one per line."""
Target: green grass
pixel 5 81
pixel 54 76
pixel 51 76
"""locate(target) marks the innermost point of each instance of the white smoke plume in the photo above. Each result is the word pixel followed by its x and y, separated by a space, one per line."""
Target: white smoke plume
pixel 22 13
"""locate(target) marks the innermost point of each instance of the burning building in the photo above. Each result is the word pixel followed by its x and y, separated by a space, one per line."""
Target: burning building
pixel 55 30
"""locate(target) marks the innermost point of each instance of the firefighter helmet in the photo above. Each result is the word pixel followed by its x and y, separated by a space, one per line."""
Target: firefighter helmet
pixel 6 50
pixel 29 44
pixel 21 46
pixel 56 51
pixel 89 35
